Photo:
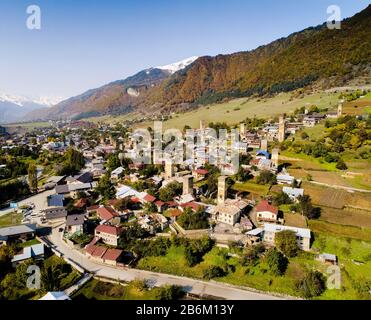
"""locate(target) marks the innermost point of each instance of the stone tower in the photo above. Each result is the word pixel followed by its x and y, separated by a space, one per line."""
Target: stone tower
pixel 242 129
pixel 202 124
pixel 169 170
pixel 188 184
pixel 275 157
pixel 264 144
pixel 222 189
pixel 281 129
pixel 340 108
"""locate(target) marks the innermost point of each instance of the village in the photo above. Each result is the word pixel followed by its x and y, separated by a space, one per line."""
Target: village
pixel 110 200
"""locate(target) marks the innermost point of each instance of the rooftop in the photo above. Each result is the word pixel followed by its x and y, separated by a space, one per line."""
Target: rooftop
pixel 305 233
pixel 75 220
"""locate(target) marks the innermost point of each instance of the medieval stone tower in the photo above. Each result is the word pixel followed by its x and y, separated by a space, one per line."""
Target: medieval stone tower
pixel 169 170
pixel 281 129
pixel 242 129
pixel 340 108
pixel 264 144
pixel 188 184
pixel 222 189
pixel 275 152
pixel 202 124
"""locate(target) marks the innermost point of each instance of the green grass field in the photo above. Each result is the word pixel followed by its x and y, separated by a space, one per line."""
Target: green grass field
pixel 235 110
pixel 30 125
pixel 99 290
pixel 251 187
pixel 10 219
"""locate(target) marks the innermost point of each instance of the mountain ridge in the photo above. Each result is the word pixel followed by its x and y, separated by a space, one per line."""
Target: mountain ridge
pixel 315 54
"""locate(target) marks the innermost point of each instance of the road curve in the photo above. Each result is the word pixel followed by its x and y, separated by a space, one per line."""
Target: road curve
pixel 194 286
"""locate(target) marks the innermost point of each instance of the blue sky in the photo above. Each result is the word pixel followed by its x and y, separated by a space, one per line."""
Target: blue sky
pixel 83 44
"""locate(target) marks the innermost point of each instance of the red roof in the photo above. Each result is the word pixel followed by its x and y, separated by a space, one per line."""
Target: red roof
pixel 112 254
pixel 92 208
pixel 95 251
pixel 135 200
pixel 202 172
pixel 90 248
pixel 149 198
pixel 193 205
pixel 172 204
pixel 113 202
pixel 159 203
pixel 265 206
pixel 81 203
pixel 108 229
pixel 255 162
pixel 106 213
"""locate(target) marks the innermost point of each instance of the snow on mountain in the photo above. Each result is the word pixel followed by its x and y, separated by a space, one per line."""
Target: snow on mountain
pixel 174 67
pixel 22 100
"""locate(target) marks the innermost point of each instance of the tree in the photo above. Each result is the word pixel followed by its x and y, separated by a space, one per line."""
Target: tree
pixel 311 285
pixel 266 177
pixel 32 177
pixel 242 174
pixel 169 292
pixel 105 188
pixel 306 208
pixel 276 262
pixel 213 272
pixel 281 198
pixel 285 241
pixel 170 191
pixel 150 207
pixel 190 220
pixel 304 135
pixel 252 254
pixel 341 165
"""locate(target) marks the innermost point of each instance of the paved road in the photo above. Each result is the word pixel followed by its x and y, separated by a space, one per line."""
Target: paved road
pixel 157 279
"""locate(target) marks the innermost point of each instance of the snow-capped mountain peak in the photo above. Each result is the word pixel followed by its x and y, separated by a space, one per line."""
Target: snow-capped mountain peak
pixel 22 100
pixel 174 67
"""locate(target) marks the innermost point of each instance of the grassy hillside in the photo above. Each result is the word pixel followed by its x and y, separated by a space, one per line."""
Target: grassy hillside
pixel 236 110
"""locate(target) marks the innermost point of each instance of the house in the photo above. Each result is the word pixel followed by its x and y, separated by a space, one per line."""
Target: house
pixel 58 295
pixel 55 200
pixel 21 232
pixel 285 178
pixel 55 215
pixel 266 212
pixel 200 174
pixel 293 193
pixel 108 214
pixel 35 252
pixel 73 188
pixel 112 256
pixel 126 191
pixel 268 232
pixel 328 258
pixel 116 174
pixel 309 122
pixel 54 181
pixel 263 154
pixel 75 224
pixel 109 234
pixel 228 212
pixel 95 252
pixel 85 177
